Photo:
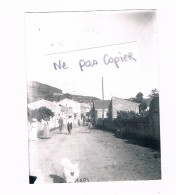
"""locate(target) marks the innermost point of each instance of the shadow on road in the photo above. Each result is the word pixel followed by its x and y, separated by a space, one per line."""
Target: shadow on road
pixel 60 133
pixel 57 179
pixel 83 131
pixel 45 137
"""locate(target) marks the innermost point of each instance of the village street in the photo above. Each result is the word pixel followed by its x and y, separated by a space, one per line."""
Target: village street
pixel 99 154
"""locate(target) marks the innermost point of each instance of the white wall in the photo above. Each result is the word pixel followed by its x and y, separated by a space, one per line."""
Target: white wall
pixel 70 103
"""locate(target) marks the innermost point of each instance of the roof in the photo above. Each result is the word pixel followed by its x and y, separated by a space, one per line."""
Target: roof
pixel 101 104
pixel 54 106
pixel 148 101
pixel 124 105
pixel 40 103
pixel 88 105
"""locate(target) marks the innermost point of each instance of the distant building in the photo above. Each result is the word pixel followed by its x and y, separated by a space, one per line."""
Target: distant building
pixel 65 111
pixel 85 108
pixel 76 107
pixel 98 107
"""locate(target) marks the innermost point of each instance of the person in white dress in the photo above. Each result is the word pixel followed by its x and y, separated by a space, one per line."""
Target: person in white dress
pixel 34 128
pixel 46 129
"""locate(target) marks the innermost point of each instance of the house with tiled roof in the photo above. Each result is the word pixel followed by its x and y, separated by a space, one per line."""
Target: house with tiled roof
pixel 110 108
pixel 118 104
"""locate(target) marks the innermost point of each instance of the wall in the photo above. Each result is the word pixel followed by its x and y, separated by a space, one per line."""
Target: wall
pixel 98 116
pixel 154 118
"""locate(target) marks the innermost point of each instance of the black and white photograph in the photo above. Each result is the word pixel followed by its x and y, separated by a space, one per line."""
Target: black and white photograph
pixel 93 96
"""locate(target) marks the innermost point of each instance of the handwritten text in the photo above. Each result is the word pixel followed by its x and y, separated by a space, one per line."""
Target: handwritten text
pixel 107 60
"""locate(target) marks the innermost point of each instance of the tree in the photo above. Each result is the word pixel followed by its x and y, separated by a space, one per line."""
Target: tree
pixel 142 106
pixel 139 97
pixel 154 93
pixel 40 113
pixel 131 120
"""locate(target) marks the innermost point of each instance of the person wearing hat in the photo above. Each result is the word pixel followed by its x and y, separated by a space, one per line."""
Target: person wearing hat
pixel 34 127
pixel 69 124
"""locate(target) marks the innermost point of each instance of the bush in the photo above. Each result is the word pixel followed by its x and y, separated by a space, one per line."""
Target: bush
pixel 131 120
pixel 40 113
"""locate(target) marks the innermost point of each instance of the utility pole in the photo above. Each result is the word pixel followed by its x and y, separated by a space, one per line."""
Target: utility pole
pixel 103 102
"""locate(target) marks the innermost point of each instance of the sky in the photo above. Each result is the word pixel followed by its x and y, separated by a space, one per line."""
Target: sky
pixel 94 40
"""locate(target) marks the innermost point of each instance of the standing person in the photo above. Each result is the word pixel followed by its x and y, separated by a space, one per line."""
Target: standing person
pixel 69 124
pixel 79 122
pixel 33 132
pixel 84 120
pixel 46 130
pixel 60 123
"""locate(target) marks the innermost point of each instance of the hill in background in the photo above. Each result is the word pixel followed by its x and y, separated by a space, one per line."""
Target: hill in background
pixel 37 91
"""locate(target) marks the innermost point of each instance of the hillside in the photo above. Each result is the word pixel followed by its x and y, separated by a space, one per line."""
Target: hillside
pixel 79 98
pixel 37 91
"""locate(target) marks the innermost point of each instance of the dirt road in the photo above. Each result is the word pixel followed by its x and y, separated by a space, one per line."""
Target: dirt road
pixel 99 154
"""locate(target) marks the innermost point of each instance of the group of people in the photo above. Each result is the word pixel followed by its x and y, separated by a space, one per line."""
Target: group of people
pixel 46 129
pixel 60 123
pixel 34 129
pixel 69 124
